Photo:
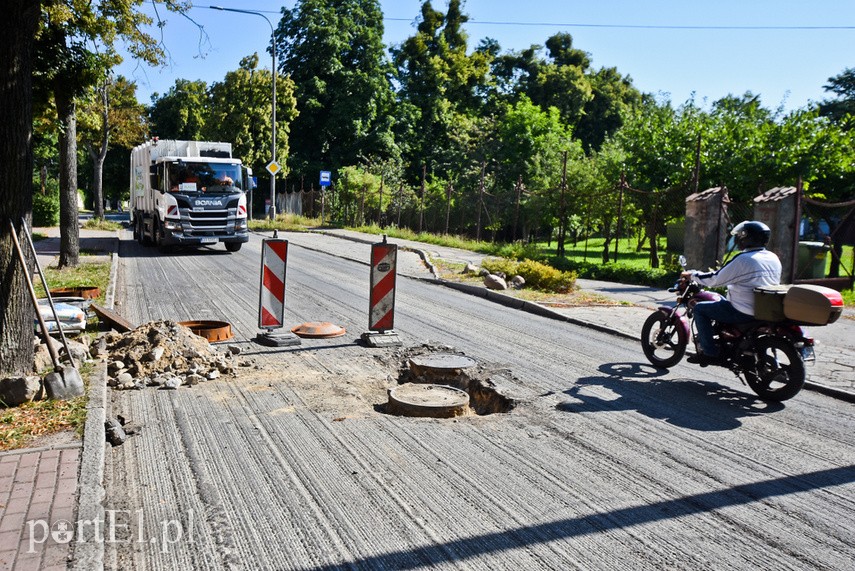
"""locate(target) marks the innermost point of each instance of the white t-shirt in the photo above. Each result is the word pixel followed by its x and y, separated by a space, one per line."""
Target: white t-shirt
pixel 750 269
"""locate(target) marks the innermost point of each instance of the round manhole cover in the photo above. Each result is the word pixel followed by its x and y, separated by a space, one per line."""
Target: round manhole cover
pixel 428 400
pixel 210 330
pixel 318 330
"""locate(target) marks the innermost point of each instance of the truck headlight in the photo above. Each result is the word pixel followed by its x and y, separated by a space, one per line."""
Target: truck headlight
pixel 173 226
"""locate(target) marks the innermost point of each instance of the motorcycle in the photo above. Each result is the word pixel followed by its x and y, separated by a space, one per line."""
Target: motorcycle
pixel 769 356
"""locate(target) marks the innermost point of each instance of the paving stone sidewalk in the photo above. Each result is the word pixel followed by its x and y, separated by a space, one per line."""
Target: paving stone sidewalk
pixel 38 496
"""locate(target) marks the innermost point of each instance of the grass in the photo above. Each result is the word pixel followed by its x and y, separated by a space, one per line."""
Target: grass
pixel 95 274
pixel 96 224
pixel 21 425
pixel 286 223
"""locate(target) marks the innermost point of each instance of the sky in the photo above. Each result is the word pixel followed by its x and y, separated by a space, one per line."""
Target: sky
pixel 782 50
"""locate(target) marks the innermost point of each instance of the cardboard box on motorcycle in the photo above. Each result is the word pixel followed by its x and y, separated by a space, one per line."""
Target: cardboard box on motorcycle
pixel 805 304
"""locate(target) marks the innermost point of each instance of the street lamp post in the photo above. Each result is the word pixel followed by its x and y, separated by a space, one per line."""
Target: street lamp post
pixel 272 211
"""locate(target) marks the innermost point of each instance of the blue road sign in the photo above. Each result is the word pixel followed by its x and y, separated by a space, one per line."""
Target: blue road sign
pixel 325 178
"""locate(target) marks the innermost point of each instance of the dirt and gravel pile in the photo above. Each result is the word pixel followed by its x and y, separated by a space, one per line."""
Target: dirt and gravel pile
pixel 163 354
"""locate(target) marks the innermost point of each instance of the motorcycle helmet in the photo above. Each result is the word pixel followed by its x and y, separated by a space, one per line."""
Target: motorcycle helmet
pixel 751 234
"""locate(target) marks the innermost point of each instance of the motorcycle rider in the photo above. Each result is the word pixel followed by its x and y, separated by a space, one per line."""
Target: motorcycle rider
pixel 754 266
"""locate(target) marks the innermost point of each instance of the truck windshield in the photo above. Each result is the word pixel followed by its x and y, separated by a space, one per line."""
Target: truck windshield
pixel 204 177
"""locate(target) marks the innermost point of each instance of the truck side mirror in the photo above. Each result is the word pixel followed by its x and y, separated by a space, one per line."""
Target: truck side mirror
pixel 249 180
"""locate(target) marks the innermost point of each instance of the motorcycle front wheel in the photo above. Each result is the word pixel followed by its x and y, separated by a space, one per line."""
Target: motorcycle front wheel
pixel 663 340
pixel 779 370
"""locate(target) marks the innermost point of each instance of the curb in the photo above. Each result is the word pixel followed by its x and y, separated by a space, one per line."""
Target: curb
pixel 89 549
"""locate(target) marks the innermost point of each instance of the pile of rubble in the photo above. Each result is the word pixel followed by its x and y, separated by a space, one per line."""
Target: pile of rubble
pixel 162 354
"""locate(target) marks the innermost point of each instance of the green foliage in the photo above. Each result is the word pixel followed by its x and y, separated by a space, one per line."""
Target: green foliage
pixel 841 109
pixel 240 110
pixel 537 275
pixel 440 86
pixel 101 224
pixel 616 272
pixel 46 206
pixel 334 54
pixel 181 112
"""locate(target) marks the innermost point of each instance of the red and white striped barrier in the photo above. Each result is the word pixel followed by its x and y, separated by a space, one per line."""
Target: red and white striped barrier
pixel 381 313
pixel 271 305
pixel 381 309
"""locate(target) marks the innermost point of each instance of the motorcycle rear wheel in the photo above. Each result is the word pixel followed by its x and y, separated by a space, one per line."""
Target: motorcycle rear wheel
pixel 779 371
pixel 663 340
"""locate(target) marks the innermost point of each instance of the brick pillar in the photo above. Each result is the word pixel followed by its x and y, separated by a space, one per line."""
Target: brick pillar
pixel 706 228
pixel 777 209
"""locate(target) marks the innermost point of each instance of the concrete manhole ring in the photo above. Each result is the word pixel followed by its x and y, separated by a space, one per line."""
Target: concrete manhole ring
pixel 441 363
pixel 427 400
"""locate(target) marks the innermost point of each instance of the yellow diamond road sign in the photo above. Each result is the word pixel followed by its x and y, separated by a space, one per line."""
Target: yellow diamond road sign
pixel 274 167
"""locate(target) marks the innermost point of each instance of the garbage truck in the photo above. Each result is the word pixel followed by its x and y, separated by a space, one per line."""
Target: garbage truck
pixel 188 193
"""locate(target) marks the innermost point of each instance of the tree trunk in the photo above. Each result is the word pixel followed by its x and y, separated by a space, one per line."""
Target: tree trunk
pixel 654 245
pixel 16 185
pixel 607 241
pixel 101 154
pixel 69 243
pixel 98 184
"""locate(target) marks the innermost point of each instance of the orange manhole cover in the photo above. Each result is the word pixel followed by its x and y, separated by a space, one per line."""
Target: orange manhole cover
pixel 318 330
pixel 210 330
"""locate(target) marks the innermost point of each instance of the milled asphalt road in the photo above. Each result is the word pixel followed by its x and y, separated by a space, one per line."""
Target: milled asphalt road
pixel 605 464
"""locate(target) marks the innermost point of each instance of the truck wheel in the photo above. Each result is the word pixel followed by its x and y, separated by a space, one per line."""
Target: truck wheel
pixel 144 240
pixel 157 234
pixel 136 229
pixel 233 246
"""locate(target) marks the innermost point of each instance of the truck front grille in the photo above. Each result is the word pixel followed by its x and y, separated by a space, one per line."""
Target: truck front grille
pixel 206 221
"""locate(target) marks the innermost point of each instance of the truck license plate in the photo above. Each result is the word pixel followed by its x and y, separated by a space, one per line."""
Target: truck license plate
pixel 209 240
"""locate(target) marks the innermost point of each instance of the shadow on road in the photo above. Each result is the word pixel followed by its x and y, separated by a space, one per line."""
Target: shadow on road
pixel 692 404
pixel 132 249
pixel 518 538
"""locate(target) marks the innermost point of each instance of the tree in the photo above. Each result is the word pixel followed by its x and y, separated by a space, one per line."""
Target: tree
pixel 334 54
pixel 75 47
pixel 592 103
pixel 613 97
pixel 16 124
pixel 17 79
pixel 110 112
pixel 531 146
pixel 560 81
pixel 181 112
pixel 440 84
pixel 658 146
pixel 240 111
pixel 842 109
